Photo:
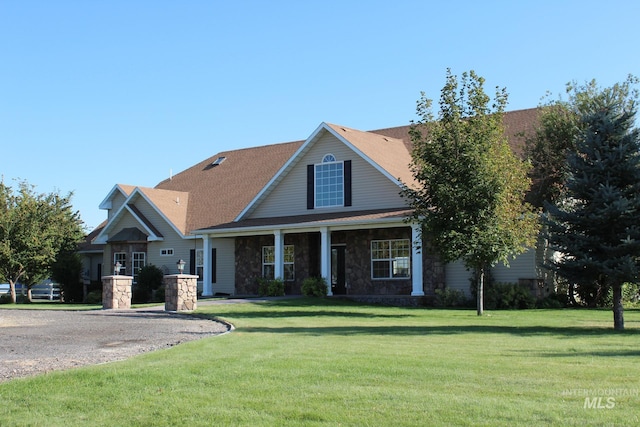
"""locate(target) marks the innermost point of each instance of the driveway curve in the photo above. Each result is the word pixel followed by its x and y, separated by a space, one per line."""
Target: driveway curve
pixel 38 341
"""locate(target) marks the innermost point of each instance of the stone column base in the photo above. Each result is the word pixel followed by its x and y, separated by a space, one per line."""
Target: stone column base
pixel 116 292
pixel 181 292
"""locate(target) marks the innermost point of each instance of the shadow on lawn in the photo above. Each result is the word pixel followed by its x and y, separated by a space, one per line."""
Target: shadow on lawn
pixel 550 331
pixel 274 314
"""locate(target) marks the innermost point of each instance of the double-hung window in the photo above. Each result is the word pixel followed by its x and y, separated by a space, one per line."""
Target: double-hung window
pixel 390 259
pixel 120 257
pixel 139 261
pixel 269 262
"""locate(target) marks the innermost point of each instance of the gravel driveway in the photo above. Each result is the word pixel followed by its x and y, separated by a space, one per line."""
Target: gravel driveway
pixel 37 341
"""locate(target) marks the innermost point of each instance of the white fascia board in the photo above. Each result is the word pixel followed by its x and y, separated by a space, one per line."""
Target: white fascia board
pixel 159 212
pixel 104 236
pixel 152 236
pixel 303 227
pixel 107 203
pixel 280 174
pixel 366 158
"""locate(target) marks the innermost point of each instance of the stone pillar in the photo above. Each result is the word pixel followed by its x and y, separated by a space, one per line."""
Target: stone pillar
pixel 180 292
pixel 116 292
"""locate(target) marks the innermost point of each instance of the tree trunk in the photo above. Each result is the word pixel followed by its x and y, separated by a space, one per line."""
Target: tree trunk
pixel 12 290
pixel 572 295
pixel 618 310
pixel 480 292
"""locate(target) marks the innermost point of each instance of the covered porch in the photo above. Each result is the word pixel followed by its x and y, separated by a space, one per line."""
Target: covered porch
pixel 357 253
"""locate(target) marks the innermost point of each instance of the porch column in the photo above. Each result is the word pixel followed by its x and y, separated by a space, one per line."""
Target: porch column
pixel 278 252
pixel 416 264
pixel 325 257
pixel 207 288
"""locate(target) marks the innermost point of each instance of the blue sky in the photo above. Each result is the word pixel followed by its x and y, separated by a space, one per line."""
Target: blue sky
pixel 94 93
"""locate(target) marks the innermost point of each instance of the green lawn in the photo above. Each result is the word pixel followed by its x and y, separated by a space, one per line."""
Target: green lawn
pixel 332 363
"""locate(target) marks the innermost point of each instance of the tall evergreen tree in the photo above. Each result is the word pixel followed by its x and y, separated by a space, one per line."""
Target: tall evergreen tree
pixel 471 187
pixel 597 226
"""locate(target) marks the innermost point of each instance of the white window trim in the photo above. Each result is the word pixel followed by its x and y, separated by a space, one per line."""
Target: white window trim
pixel 122 260
pixel 391 260
pixel 327 159
pixel 135 264
pixel 167 252
pixel 285 262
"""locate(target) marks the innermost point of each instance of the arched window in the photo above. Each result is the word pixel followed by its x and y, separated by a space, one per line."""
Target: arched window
pixel 328 158
pixel 329 182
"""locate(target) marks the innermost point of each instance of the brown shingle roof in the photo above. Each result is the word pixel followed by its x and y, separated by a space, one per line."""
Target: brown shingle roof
pixel 391 154
pixel 173 204
pixel 217 194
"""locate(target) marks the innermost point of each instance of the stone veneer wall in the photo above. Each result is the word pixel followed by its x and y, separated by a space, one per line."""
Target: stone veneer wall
pixel 116 292
pixel 249 262
pixel 358 262
pixel 180 292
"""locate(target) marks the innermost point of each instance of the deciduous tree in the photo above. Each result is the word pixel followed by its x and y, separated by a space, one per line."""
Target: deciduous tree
pixel 34 229
pixel 471 187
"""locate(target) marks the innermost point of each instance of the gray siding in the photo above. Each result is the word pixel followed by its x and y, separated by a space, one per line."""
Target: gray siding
pixel 370 189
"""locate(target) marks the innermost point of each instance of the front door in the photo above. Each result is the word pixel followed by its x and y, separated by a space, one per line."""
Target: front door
pixel 338 284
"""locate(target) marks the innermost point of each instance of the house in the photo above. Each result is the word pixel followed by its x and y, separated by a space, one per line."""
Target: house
pixel 326 206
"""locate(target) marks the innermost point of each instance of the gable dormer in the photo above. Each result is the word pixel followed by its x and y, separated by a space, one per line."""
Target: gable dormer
pixel 336 169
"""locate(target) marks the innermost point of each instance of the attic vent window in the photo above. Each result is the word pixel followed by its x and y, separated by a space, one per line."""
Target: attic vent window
pixel 218 161
pixel 328 158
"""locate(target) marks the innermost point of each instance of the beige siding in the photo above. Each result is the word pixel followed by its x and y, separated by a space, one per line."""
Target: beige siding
pixel 154 217
pixel 225 266
pixel 116 202
pixel 181 248
pixel 522 267
pixel 458 277
pixel 370 189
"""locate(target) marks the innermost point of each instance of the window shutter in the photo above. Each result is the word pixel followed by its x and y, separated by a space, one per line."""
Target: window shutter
pixel 192 261
pixel 214 265
pixel 310 186
pixel 347 182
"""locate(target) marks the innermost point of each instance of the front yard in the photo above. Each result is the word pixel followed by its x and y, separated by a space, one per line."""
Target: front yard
pixel 328 362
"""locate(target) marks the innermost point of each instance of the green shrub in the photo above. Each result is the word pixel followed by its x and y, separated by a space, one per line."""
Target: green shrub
pixel 149 279
pixel 270 287
pixel 314 287
pixel 158 294
pixel 508 296
pixel 552 301
pixel 94 297
pixel 450 298
pixel 5 299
